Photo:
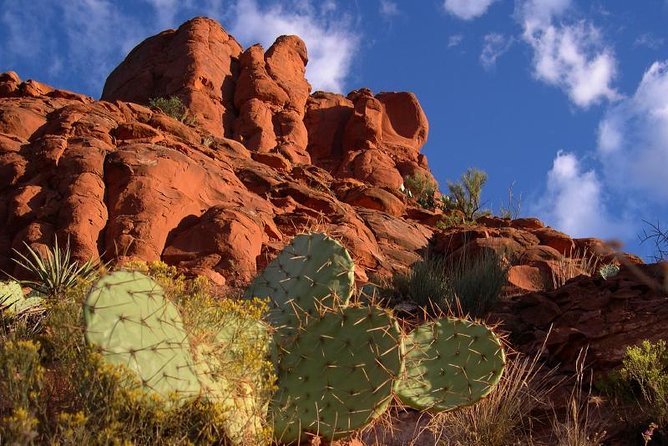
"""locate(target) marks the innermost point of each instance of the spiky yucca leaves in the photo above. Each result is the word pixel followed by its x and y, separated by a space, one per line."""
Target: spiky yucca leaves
pixel 450 363
pixel 129 319
pixel 311 270
pixel 54 271
pixel 337 373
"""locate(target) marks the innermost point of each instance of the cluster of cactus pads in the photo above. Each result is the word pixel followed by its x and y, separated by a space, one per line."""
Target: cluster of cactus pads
pixel 339 364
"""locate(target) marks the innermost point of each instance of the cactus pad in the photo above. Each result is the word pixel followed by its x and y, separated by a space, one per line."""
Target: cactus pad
pixel 129 319
pixel 450 363
pixel 310 270
pixel 338 374
pixel 13 301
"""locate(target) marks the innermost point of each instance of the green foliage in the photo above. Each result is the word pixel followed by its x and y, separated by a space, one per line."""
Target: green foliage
pixel 336 374
pixel 464 196
pixel 477 280
pixel 20 365
pixel 505 416
pixel 609 270
pixel 55 271
pixel 76 396
pixel 645 368
pixel 425 283
pixel 129 319
pixel 422 188
pixel 473 282
pixel 173 106
pixel 312 270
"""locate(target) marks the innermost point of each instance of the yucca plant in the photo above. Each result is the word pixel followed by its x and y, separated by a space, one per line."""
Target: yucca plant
pixel 55 271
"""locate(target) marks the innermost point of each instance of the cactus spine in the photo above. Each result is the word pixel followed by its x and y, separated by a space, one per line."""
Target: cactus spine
pixel 450 363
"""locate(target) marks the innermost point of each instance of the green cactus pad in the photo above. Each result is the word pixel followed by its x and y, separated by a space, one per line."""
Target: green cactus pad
pixel 129 319
pixel 14 303
pixel 11 293
pixel 338 374
pixel 450 363
pixel 310 270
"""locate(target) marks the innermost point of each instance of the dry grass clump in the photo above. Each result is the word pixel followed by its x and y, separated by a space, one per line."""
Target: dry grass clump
pixel 504 417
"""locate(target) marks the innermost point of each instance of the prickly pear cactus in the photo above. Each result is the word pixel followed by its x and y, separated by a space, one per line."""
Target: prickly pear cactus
pixel 310 271
pixel 450 363
pixel 14 303
pixel 337 374
pixel 129 319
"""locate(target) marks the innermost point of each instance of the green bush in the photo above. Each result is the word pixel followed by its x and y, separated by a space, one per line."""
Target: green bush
pixel 173 106
pixel 425 283
pixel 645 369
pixel 477 281
pixel 422 189
pixel 473 282
pixel 464 196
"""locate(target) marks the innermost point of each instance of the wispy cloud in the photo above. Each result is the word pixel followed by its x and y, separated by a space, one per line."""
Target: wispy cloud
pixel 649 41
pixel 388 9
pixel 633 138
pixel 330 40
pixel 455 40
pixel 494 46
pixel 467 9
pixel 571 56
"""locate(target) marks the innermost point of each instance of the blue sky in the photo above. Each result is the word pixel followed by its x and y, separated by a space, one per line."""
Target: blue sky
pixel 565 99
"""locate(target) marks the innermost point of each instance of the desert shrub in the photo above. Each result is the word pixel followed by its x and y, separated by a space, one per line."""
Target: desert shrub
pixel 425 283
pixel 173 106
pixel 468 282
pixel 477 280
pixel 464 195
pixel 422 189
pixel 645 370
pixel 505 416
pixel 608 270
pixel 64 392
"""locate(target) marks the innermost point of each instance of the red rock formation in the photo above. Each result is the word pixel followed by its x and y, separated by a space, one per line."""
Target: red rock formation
pixel 197 63
pixel 125 180
pixel 271 96
pixel 605 315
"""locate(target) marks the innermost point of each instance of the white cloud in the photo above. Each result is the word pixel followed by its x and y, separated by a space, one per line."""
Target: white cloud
pixel 388 9
pixel 649 40
pixel 633 138
pixel 467 9
pixel 331 42
pixel 494 46
pixel 573 56
pixel 97 31
pixel 455 40
pixel 540 13
pixel 574 201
